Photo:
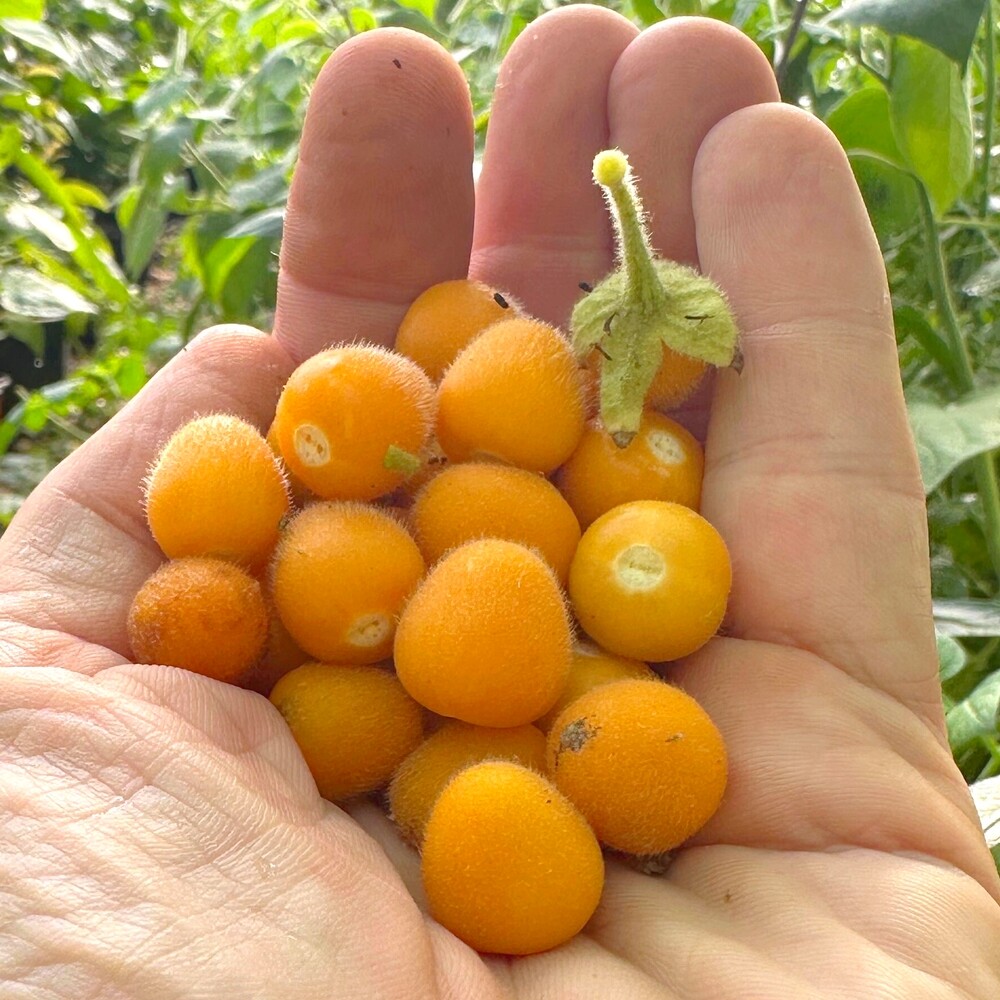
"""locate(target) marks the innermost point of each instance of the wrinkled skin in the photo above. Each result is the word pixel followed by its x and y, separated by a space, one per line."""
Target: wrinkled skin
pixel 166 840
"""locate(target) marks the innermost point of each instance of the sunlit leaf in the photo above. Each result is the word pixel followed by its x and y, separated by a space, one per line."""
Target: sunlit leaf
pixel 28 10
pixel 951 656
pixel 28 293
pixel 931 120
pixel 975 716
pixel 28 217
pixel 949 25
pixel 967 617
pixel 60 46
pixel 262 225
pixel 947 436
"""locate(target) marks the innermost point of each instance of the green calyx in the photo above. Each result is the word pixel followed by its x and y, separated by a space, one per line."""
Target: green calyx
pixel 644 305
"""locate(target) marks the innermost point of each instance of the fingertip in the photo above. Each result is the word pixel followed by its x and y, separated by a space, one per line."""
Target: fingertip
pixel 780 219
pixel 686 74
pixel 381 204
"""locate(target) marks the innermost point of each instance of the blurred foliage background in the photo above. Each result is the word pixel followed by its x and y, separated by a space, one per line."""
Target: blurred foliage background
pixel 146 148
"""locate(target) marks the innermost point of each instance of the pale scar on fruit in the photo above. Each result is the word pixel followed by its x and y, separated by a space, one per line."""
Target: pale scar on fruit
pixel 311 445
pixel 640 567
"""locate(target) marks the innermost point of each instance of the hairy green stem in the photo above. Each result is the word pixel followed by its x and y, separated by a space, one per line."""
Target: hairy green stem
pixel 637 253
pixel 983 465
pixel 989 109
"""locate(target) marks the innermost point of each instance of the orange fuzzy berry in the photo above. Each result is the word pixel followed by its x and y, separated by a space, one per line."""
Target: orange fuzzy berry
pixel 591 667
pixel 216 490
pixel 486 638
pixel 508 864
pixel 676 379
pixel 340 577
pixel 480 500
pixel 340 413
pixel 642 761
pixel 663 462
pixel 353 724
pixel 281 655
pixel 205 615
pixel 456 745
pixel 514 394
pixel 447 317
pixel 650 580
pixel 299 493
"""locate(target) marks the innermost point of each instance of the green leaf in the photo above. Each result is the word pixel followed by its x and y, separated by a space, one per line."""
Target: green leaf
pixel 949 25
pixel 263 189
pixel 975 716
pixel 39 35
pixel 163 152
pixel 28 293
pixel 986 795
pixel 143 229
pixel 10 145
pixel 967 617
pixel 861 121
pixel 742 12
pixel 425 7
pixel 27 218
pixel 985 283
pixel 647 12
pixel 28 10
pixel 261 225
pixel 131 377
pixel 910 320
pixel 220 261
pixel 931 120
pixel 946 436
pixel 162 95
pixel 951 657
pixel 363 19
pixel 86 195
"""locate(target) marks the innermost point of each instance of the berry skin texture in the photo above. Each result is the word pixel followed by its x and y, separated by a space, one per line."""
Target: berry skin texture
pixel 456 745
pixel 447 317
pixel 514 394
pixel 650 580
pixel 481 499
pixel 662 462
pixel 486 637
pixel 675 380
pixel 642 761
pixel 205 615
pixel 591 667
pixel 340 577
pixel 216 490
pixel 353 724
pixel 341 411
pixel 508 864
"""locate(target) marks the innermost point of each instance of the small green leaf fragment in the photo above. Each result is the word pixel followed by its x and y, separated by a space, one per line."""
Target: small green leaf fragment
pixel 399 460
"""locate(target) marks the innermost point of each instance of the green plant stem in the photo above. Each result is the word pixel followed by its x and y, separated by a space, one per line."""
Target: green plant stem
pixel 983 465
pixel 989 109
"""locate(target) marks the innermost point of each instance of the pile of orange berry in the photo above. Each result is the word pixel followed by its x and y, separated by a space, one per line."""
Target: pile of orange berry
pixel 450 581
pixel 450 574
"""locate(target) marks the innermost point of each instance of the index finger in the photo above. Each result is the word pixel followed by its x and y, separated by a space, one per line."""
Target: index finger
pixel 381 203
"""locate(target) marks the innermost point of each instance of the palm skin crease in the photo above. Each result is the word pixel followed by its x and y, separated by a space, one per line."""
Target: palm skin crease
pixel 162 838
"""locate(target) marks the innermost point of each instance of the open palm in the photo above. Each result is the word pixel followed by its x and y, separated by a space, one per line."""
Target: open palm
pixel 163 838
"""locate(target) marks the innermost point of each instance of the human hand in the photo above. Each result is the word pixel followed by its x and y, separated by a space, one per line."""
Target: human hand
pixel 164 838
